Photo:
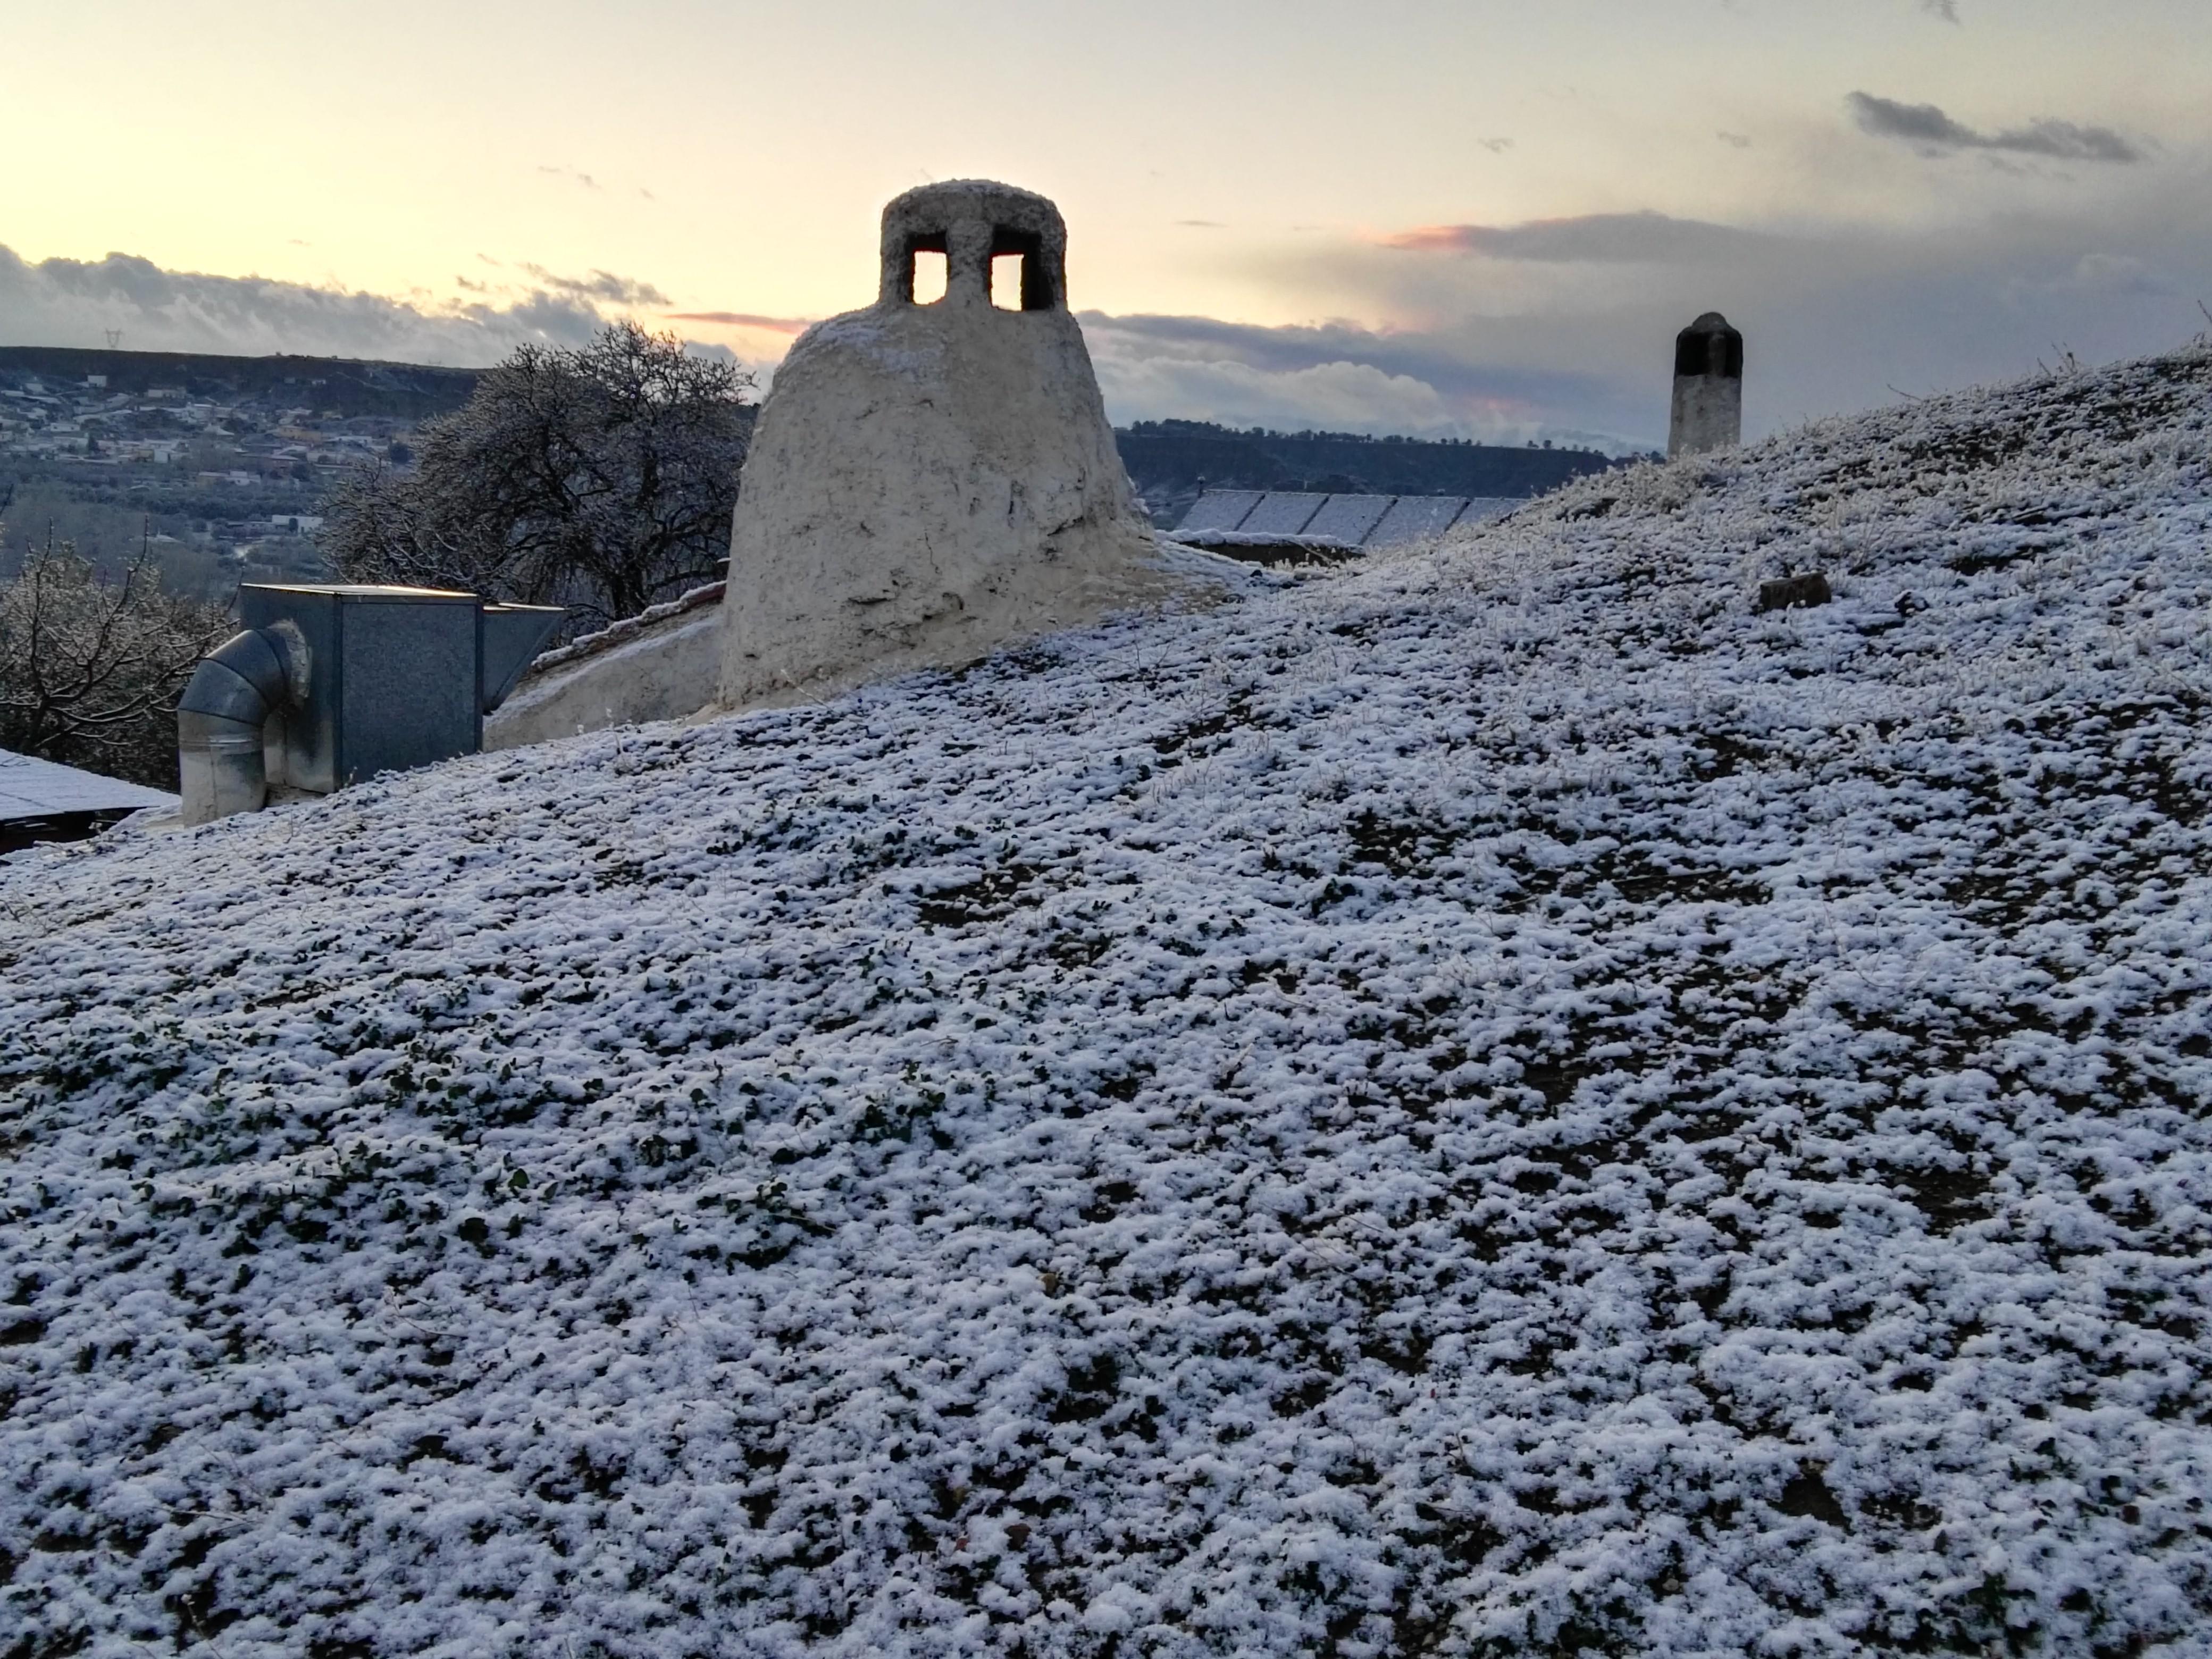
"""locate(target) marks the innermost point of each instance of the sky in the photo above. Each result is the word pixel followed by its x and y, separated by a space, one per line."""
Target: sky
pixel 1439 217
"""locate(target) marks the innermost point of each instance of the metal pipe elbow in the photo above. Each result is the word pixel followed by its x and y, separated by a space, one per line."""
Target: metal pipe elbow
pixel 220 718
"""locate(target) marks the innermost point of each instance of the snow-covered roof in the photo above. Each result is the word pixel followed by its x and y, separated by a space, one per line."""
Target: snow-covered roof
pixel 1252 518
pixel 33 788
pixel 1500 1100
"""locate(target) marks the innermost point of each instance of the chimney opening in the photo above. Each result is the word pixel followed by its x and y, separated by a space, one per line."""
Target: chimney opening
pixel 1019 280
pixel 927 272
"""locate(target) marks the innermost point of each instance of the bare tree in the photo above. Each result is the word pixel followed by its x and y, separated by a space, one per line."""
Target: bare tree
pixel 90 670
pixel 601 478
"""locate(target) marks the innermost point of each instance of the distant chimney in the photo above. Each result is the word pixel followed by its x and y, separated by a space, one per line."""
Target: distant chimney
pixel 1708 388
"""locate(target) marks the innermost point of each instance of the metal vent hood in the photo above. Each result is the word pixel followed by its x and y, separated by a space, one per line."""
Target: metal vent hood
pixel 332 682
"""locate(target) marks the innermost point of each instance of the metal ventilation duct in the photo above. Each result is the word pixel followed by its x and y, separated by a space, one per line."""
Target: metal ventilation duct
pixel 332 683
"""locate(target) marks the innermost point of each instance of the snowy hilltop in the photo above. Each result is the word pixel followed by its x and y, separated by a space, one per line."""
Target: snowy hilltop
pixel 1504 1101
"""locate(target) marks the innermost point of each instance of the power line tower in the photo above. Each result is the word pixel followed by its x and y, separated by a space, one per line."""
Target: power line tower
pixel 114 338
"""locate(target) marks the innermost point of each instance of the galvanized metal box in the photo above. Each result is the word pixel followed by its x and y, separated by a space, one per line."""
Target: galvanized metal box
pixel 394 679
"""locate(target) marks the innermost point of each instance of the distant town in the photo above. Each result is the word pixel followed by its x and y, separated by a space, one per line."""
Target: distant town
pixel 216 466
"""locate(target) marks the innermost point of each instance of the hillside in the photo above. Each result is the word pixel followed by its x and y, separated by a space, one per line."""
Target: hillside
pixel 346 386
pixel 1499 1102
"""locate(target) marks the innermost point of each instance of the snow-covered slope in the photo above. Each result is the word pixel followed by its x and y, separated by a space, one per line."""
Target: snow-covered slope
pixel 1497 1102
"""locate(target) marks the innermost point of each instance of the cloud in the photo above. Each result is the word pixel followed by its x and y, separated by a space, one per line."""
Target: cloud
pixel 716 349
pixel 1734 140
pixel 1596 237
pixel 74 302
pixel 1336 376
pixel 2118 273
pixel 2110 277
pixel 1833 312
pixel 1338 396
pixel 601 285
pixel 1560 329
pixel 1929 129
pixel 1202 224
pixel 744 319
pixel 1287 350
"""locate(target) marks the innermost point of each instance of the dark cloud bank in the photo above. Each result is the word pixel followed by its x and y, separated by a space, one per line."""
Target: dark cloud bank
pixel 1559 328
pixel 1927 128
pixel 75 302
pixel 1596 238
pixel 1564 327
pixel 1836 320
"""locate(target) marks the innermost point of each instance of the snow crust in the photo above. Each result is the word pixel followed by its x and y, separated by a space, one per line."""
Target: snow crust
pixel 1493 1103
pixel 31 788
pixel 628 628
pixel 1261 538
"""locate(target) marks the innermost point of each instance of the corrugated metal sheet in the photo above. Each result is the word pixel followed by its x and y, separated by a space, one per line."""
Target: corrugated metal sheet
pixel 1362 521
pixel 1220 509
pixel 1348 518
pixel 1415 518
pixel 1483 508
pixel 1282 512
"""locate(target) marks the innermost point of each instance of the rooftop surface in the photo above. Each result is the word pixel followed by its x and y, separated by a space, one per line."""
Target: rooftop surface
pixel 1496 1102
pixel 33 788
pixel 1229 518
